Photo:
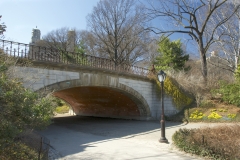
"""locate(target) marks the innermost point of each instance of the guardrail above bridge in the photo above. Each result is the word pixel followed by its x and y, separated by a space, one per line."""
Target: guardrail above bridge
pixel 51 55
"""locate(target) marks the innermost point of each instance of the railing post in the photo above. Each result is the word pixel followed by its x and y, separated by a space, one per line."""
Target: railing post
pixel 3 44
pixel 25 56
pixel 22 54
pixel 48 55
pixel 11 48
pixel 7 51
pixel 14 50
pixel 33 55
pixel 39 53
pixel 67 57
pixel 18 50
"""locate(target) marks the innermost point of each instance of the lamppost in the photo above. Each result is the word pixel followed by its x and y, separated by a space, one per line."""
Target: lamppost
pixel 161 78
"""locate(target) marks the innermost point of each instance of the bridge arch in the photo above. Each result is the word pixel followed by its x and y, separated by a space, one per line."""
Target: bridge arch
pixel 56 73
pixel 103 82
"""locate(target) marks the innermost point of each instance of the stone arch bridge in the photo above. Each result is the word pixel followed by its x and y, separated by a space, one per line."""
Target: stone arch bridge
pixel 92 86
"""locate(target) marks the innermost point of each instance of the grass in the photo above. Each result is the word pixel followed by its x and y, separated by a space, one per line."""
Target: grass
pixel 62 109
pixel 221 143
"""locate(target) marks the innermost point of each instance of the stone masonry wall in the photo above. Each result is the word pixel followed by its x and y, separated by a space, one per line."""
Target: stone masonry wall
pixel 150 93
pixel 37 78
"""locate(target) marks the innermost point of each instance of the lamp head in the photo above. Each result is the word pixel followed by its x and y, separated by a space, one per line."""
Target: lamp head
pixel 161 76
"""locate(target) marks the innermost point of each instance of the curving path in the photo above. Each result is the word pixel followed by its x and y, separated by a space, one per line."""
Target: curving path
pixel 112 139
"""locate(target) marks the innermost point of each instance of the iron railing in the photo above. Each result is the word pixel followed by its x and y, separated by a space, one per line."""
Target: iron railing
pixel 52 55
pixel 38 143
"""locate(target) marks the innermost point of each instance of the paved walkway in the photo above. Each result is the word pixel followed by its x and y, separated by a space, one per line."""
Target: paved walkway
pixel 113 139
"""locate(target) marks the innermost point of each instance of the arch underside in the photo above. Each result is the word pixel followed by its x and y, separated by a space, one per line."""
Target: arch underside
pixel 117 101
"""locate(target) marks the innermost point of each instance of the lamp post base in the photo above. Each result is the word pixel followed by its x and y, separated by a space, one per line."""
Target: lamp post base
pixel 163 140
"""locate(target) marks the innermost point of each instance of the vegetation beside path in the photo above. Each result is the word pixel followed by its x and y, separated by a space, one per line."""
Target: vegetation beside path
pixel 20 110
pixel 214 101
pixel 62 107
pixel 220 143
pixel 213 111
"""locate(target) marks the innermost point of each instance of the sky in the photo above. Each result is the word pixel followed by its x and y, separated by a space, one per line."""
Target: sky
pixel 21 16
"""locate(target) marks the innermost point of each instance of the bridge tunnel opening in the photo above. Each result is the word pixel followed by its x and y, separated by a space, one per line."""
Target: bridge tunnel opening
pixel 99 102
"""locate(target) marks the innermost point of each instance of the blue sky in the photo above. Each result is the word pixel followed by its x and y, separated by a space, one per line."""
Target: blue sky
pixel 21 16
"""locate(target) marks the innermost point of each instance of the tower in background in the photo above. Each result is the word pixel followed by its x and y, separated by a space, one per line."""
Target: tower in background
pixel 36 34
pixel 71 41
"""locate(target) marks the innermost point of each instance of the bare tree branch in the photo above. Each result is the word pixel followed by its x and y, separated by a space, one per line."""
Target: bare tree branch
pixel 192 18
pixel 118 29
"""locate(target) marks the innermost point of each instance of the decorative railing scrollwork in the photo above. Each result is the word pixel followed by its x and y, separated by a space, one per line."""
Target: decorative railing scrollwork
pixel 39 53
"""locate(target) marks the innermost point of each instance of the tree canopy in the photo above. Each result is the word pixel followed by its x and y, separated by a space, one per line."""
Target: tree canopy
pixel 2 27
pixel 171 55
pixel 118 30
pixel 20 108
pixel 227 38
pixel 192 18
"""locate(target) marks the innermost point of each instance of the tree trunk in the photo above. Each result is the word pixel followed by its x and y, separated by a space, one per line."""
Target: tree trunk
pixel 204 65
pixel 203 59
pixel 236 60
pixel 237 56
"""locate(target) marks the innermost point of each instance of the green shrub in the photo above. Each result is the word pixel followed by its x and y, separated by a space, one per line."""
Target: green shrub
pixel 21 109
pixel 206 104
pixel 230 93
pixel 183 139
pixel 237 73
pixel 62 109
pixel 215 143
pixel 18 151
pixel 59 102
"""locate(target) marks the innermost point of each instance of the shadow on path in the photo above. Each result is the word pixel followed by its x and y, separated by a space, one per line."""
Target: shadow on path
pixel 76 136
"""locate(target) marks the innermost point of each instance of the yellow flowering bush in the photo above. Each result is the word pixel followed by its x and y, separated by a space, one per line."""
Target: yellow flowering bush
pixel 214 115
pixel 232 116
pixel 179 98
pixel 196 115
pixel 217 114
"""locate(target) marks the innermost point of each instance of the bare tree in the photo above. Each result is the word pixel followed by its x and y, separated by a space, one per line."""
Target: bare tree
pixel 64 39
pixel 227 39
pixel 152 50
pixel 61 44
pixel 118 29
pixel 91 44
pixel 191 17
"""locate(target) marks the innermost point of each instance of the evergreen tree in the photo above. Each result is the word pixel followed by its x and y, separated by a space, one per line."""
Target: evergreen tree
pixel 2 27
pixel 171 55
